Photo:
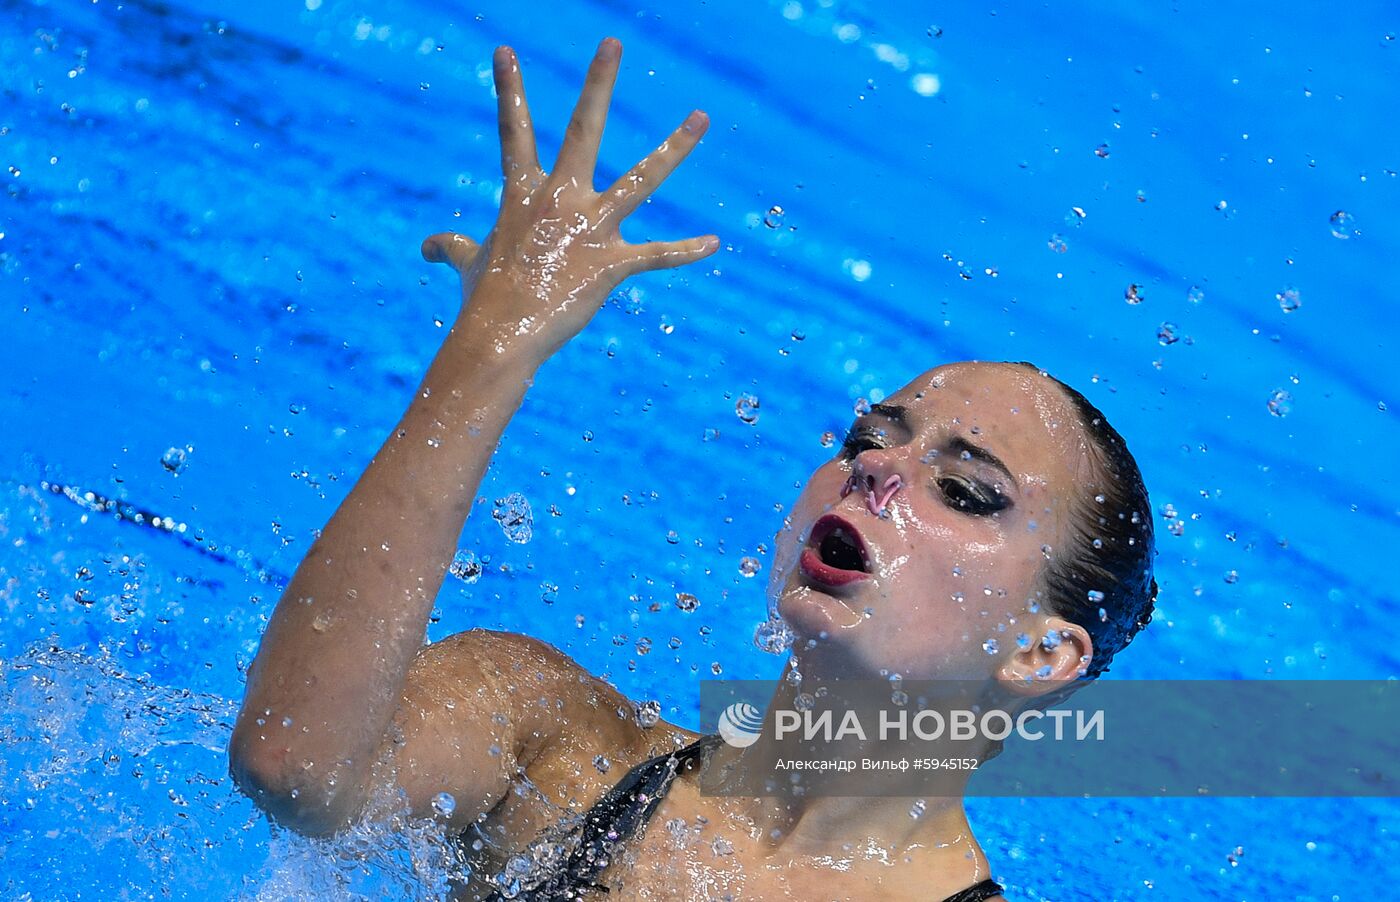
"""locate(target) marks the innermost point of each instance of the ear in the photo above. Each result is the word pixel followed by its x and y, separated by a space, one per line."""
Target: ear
pixel 1044 666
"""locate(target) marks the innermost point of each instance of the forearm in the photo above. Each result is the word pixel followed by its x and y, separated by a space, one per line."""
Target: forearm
pixel 327 679
pixel 331 671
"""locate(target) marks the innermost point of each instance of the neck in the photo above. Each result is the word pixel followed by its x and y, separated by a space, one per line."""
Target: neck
pixel 931 831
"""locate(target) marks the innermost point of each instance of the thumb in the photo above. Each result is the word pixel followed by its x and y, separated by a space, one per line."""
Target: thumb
pixel 456 250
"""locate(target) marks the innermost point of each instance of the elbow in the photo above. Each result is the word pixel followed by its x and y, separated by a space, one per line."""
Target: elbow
pixel 314 801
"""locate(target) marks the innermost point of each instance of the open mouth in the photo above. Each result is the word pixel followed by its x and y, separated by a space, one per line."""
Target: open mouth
pixel 835 554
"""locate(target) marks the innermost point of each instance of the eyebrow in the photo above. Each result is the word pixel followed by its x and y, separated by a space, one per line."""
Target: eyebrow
pixel 893 411
pixel 977 452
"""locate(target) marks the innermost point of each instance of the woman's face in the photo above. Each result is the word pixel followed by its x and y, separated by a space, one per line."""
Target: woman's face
pixel 925 536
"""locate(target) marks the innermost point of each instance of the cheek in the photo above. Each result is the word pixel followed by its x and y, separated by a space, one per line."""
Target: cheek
pixel 957 574
pixel 821 492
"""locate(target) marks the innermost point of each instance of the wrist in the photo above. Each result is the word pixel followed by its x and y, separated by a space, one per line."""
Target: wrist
pixel 488 343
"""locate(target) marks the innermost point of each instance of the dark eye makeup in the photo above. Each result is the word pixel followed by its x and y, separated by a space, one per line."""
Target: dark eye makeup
pixel 970 496
pixel 863 437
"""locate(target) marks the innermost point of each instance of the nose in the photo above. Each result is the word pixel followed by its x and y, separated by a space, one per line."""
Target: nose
pixel 876 474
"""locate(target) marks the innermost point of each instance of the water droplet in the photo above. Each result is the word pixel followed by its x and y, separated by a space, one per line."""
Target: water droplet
pixel 828 439
pixel 465 566
pixel 603 763
pixel 746 408
pixel 295 408
pixel 1133 294
pixel 1051 640
pixel 990 646
pixel 799 335
pixel 1195 294
pixel 174 460
pixel 444 804
pixel 1023 640
pixel 1043 673
pixel 513 513
pixel 1101 151
pixel 1057 244
pixel 917 810
pixel 749 566
pixel 862 407
pixel 1232 576
pixel 629 298
pixel 1166 334
pixel 649 714
pixel 322 621
pixel 774 217
pixel 1289 299
pixel 773 636
pixel 1095 595
pixel 1343 225
pixel 687 602
pixel 1280 403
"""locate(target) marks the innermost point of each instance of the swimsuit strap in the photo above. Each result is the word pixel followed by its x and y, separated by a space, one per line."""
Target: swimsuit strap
pixel 613 819
pixel 624 810
pixel 977 892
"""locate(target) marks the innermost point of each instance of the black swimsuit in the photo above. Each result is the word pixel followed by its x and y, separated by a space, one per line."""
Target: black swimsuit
pixel 620 814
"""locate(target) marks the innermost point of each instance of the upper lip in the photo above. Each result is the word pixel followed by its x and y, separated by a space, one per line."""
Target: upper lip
pixel 828 523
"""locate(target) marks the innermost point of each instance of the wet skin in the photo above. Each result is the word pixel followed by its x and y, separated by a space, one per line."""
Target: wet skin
pixel 991 461
pixel 347 708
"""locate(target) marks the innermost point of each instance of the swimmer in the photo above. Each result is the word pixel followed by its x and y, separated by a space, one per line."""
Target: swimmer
pixel 974 476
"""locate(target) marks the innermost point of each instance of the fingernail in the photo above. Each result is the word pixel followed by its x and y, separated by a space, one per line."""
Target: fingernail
pixel 610 48
pixel 712 242
pixel 694 122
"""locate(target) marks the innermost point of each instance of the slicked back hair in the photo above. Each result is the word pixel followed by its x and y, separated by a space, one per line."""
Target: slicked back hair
pixel 1101 577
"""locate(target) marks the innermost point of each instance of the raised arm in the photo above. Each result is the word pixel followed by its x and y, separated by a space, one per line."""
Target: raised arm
pixel 336 667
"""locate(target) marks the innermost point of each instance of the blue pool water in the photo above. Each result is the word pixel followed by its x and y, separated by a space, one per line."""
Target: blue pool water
pixel 214 308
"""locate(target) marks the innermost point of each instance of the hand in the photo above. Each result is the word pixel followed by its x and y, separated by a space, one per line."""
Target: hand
pixel 555 252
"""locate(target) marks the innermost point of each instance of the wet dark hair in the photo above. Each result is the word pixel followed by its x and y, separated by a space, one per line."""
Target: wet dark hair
pixel 1102 578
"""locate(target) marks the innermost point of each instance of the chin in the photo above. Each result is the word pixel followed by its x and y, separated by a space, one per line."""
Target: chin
pixel 814 615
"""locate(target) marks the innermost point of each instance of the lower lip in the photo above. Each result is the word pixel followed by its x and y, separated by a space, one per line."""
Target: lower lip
pixel 825 574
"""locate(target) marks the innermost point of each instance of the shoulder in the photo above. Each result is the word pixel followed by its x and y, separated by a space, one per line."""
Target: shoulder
pixel 552 700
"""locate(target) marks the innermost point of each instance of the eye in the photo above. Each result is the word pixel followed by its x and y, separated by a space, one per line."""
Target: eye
pixel 976 498
pixel 862 438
